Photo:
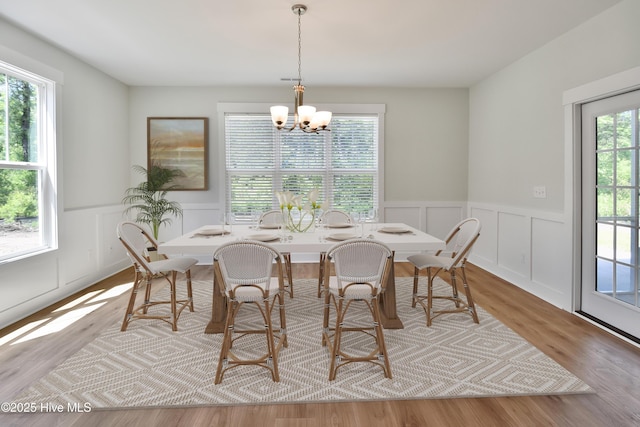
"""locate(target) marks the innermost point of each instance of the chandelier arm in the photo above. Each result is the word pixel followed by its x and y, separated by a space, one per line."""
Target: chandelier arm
pixel 299 91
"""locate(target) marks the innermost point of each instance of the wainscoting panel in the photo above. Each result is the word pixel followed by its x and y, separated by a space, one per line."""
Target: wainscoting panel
pixel 486 247
pixel 22 285
pixel 530 249
pixel 550 255
pixel 79 245
pixel 112 252
pixel 435 218
pixel 409 215
pixel 514 243
pixel 90 249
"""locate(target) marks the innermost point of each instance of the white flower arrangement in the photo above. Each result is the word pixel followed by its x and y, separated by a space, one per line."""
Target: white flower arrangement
pixel 298 216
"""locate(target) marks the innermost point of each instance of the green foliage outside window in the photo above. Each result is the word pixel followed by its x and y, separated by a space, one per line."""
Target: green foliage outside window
pixel 616 163
pixel 18 143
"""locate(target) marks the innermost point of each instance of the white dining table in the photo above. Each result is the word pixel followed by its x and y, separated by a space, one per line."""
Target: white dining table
pixel 399 237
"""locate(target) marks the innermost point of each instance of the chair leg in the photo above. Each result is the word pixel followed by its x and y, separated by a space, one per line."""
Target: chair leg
pixel 283 319
pixel 416 276
pixel 226 341
pixel 467 289
pixel 454 288
pixel 338 358
pixel 272 353
pixel 325 318
pixel 174 305
pixel 429 309
pixel 189 290
pixel 132 301
pixel 380 338
pixel 269 360
pixel 289 272
pixel 460 305
pixel 147 293
pixel 321 273
pixel 337 335
pixel 141 311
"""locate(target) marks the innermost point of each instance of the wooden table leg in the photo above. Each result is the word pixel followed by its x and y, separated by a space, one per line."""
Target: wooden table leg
pixel 218 308
pixel 387 302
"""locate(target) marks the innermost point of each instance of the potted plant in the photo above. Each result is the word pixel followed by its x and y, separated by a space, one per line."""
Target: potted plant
pixel 149 199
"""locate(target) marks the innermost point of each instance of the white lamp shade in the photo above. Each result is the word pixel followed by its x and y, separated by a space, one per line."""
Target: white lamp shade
pixel 305 113
pixel 322 118
pixel 315 123
pixel 279 115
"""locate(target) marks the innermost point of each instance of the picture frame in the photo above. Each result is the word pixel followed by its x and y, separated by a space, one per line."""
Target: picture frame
pixel 180 143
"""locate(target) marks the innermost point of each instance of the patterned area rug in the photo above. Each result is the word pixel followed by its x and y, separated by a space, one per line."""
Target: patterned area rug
pixel 150 366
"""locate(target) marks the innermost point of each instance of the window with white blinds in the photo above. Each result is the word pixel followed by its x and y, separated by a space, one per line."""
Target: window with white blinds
pixel 343 164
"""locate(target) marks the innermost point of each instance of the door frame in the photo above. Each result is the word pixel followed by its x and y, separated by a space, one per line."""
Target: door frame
pixel 608 310
pixel 572 100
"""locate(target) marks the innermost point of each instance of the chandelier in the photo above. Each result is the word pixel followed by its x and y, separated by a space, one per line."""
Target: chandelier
pixel 305 117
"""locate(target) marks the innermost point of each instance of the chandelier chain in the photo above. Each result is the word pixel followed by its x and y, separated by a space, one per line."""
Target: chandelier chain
pixel 299 47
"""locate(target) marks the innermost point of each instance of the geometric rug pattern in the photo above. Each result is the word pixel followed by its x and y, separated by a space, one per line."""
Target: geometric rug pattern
pixel 151 366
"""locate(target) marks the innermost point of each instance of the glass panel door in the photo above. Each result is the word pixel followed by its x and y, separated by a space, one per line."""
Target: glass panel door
pixel 610 211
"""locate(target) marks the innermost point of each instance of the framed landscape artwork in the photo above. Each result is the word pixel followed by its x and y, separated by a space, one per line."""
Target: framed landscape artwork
pixel 180 143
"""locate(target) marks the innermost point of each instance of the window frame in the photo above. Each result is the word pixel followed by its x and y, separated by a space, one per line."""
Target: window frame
pixel 377 110
pixel 46 166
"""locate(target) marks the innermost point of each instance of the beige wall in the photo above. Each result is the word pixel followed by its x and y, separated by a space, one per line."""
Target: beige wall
pixel 516 127
pixel 93 121
pixel 426 131
pixel 518 140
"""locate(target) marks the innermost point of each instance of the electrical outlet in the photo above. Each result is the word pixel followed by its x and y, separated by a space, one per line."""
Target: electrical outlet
pixel 540 192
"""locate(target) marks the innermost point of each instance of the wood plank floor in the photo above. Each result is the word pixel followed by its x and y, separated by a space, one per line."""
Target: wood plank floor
pixel 609 365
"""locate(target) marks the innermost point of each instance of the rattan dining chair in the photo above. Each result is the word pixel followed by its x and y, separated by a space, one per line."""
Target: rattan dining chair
pixel 361 269
pixel 328 218
pixel 244 271
pixel 137 241
pixel 270 219
pixel 273 219
pixel 459 242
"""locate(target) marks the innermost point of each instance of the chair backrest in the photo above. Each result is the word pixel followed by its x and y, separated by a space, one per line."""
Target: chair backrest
pixel 334 216
pixel 246 263
pixel 272 217
pixel 361 261
pixel 460 240
pixel 136 240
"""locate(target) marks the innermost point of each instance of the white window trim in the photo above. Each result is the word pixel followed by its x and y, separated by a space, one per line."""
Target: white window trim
pixel 263 108
pixel 50 80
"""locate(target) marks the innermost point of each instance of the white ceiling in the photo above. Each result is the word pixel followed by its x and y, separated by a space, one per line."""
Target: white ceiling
pixel 402 43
